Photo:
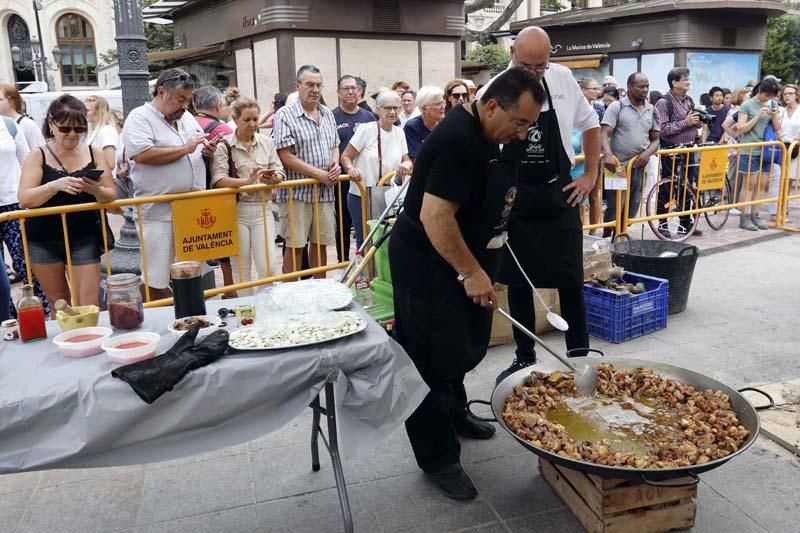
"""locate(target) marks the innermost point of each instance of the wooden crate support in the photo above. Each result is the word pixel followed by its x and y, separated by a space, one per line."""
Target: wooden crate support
pixel 605 505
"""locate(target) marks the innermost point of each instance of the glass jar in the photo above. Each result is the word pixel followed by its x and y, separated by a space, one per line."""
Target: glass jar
pixel 30 315
pixel 124 298
pixel 10 329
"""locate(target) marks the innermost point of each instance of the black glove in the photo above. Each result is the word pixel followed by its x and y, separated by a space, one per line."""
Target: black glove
pixel 153 377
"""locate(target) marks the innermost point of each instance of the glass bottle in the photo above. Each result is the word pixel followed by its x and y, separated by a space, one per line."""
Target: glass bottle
pixel 124 298
pixel 30 315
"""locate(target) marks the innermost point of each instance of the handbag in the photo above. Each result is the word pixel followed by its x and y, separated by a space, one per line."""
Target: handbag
pixel 771 153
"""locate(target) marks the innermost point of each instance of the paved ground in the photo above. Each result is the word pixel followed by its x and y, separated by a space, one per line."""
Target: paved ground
pixel 740 327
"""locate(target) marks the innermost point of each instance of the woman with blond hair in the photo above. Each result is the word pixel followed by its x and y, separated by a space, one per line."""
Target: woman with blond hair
pixel 246 157
pixel 103 131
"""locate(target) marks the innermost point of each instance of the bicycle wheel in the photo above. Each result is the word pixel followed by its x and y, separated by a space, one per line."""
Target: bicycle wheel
pixel 670 229
pixel 713 198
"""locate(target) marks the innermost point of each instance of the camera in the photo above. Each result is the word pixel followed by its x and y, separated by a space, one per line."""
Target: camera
pixel 706 118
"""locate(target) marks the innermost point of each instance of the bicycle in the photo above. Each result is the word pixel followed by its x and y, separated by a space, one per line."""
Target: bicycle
pixel 683 194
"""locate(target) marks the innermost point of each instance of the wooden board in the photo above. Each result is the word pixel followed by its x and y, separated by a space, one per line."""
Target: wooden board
pixel 605 505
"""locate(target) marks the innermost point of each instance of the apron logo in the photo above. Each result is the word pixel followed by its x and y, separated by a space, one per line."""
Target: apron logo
pixel 534 135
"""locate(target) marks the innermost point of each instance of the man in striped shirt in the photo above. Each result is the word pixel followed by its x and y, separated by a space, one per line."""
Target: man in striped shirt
pixel 308 145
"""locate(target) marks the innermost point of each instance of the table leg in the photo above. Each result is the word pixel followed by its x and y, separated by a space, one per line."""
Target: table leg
pixel 332 444
pixel 315 408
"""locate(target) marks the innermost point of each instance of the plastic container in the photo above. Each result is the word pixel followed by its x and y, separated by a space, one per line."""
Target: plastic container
pixel 214 320
pixel 132 347
pixel 86 318
pixel 648 257
pixel 618 317
pixel 70 346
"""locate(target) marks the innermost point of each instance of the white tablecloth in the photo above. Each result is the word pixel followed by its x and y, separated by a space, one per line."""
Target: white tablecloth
pixel 57 412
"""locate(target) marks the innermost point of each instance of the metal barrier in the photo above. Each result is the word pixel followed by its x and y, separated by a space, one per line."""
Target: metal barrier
pixel 597 193
pixel 137 203
pixel 791 186
pixel 728 201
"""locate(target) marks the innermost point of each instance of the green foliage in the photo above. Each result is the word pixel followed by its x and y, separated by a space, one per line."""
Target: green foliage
pixel 109 56
pixel 494 56
pixel 159 36
pixel 781 57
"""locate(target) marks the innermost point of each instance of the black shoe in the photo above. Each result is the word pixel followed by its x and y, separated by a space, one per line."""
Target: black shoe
pixel 454 482
pixel 698 232
pixel 665 232
pixel 468 427
pixel 516 365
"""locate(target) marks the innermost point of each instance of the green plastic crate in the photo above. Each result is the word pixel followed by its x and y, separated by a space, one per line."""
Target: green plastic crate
pixel 381 257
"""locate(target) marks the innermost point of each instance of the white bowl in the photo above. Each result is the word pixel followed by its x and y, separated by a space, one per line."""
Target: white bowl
pixel 71 348
pixel 215 321
pixel 125 356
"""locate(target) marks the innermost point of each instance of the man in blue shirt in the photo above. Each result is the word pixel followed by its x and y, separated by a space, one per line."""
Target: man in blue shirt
pixel 349 116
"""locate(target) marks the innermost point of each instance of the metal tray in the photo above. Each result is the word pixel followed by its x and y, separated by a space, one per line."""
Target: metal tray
pixel 360 328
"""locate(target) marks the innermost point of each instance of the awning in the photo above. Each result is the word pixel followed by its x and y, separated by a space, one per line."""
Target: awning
pixel 185 53
pixel 587 61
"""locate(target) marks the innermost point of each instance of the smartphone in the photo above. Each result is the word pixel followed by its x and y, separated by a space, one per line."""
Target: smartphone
pixel 94 174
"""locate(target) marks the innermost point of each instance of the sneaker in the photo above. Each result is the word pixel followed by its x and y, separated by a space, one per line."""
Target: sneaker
pixel 698 232
pixel 746 222
pixel 453 482
pixel 516 365
pixel 471 428
pixel 760 224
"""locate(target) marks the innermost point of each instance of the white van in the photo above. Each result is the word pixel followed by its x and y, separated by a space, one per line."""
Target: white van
pixel 36 104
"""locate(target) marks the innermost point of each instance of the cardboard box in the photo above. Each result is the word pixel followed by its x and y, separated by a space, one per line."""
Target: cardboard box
pixel 502 328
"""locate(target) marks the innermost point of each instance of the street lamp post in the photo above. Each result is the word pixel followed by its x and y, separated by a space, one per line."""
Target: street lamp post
pixel 39 64
pixel 132 56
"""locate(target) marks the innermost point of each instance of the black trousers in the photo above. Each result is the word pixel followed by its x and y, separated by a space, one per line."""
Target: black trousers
pixel 573 309
pixel 446 336
pixel 681 160
pixel 343 244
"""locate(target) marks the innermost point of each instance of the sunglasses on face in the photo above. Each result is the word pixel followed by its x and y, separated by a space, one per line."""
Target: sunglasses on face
pixel 68 129
pixel 459 96
pixel 179 77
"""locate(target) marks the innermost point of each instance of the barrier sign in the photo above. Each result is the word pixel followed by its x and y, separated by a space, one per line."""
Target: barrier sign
pixel 205 228
pixel 713 167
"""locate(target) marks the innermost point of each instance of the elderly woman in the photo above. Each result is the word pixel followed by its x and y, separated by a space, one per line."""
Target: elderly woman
pixel 376 149
pixel 456 92
pixel 66 172
pixel 430 102
pixel 243 158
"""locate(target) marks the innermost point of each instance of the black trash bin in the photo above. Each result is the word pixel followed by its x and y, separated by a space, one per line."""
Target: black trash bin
pixel 643 257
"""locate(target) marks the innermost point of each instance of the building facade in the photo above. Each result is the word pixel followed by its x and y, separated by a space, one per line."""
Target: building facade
pixel 81 29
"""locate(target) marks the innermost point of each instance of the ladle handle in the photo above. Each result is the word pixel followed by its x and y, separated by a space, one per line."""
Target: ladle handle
pixel 530 334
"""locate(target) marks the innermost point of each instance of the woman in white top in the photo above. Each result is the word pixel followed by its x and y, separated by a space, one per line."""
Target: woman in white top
pixel 11 107
pixel 376 149
pixel 103 133
pixel 790 124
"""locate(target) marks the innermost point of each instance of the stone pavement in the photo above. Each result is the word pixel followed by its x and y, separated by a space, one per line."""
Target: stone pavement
pixel 740 327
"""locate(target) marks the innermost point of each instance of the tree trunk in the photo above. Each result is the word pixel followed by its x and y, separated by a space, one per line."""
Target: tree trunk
pixel 484 36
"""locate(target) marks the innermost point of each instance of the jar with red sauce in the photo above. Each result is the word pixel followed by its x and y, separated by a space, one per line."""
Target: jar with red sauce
pixel 30 315
pixel 124 298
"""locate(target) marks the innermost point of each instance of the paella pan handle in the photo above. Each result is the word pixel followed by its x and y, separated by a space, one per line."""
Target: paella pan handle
pixel 761 392
pixel 618 236
pixel 476 417
pixel 690 483
pixel 587 350
pixel 688 249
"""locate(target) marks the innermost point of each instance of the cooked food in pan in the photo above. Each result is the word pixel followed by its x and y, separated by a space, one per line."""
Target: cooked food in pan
pixel 638 419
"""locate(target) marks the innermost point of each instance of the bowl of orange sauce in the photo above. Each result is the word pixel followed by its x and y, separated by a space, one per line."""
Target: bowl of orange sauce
pixel 82 342
pixel 132 347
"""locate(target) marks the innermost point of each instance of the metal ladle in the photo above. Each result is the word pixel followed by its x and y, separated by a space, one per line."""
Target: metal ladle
pixel 585 378
pixel 557 321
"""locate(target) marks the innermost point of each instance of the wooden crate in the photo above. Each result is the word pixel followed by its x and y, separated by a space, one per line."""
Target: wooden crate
pixel 605 505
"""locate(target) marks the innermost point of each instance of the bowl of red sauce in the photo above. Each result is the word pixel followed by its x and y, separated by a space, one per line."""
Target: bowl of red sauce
pixel 82 342
pixel 132 347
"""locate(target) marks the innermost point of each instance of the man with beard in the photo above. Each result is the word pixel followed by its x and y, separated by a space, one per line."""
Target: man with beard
pixel 545 229
pixel 166 145
pixel 444 253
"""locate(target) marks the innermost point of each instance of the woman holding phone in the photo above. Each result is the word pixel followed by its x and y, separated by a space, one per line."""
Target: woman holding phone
pixel 244 158
pixel 65 171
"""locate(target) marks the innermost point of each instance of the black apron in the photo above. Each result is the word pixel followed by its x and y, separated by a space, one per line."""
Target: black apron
pixel 545 231
pixel 459 329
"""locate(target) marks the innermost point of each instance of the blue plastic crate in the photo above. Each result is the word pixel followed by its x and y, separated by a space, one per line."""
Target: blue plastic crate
pixel 617 317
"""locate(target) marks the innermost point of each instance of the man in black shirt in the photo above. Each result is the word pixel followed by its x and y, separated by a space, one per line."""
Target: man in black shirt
pixel 444 252
pixel 713 133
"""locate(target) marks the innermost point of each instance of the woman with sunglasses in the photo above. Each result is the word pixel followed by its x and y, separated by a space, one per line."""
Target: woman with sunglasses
pixel 374 151
pixel 456 92
pixel 63 173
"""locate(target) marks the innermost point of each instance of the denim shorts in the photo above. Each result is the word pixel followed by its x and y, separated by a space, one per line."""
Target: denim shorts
pixel 82 252
pixel 752 163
